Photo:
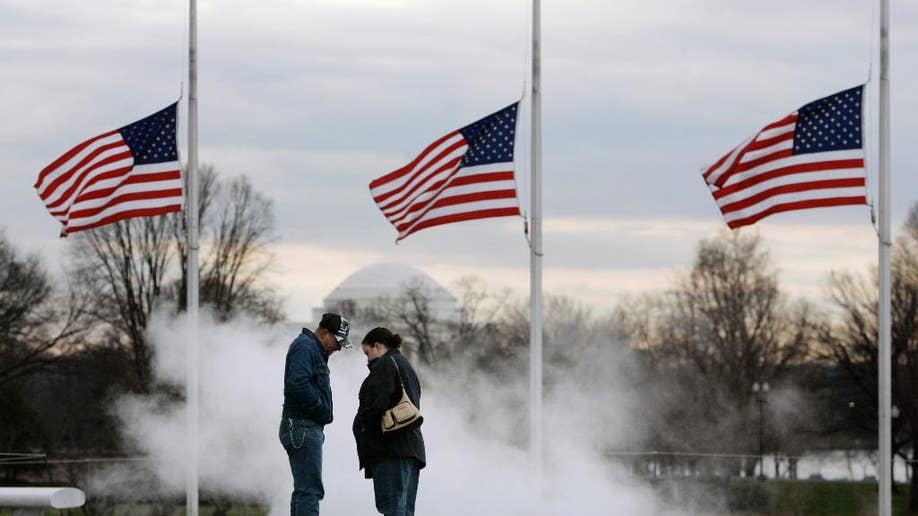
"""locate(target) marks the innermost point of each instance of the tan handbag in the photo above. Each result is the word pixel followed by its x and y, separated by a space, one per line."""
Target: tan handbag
pixel 404 415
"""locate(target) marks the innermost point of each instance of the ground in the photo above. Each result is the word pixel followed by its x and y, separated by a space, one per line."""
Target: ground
pixel 747 497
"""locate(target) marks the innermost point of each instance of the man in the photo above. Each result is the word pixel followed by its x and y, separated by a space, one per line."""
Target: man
pixel 308 408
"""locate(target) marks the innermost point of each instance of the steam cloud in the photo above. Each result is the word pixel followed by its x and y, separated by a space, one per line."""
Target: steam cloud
pixel 471 467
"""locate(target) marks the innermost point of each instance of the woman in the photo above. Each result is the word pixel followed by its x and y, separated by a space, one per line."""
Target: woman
pixel 392 461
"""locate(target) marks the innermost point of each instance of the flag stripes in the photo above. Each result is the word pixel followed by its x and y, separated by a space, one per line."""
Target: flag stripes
pixel 811 158
pixel 466 174
pixel 444 150
pixel 129 172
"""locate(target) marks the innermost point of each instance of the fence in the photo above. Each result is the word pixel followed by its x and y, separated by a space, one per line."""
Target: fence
pixel 853 465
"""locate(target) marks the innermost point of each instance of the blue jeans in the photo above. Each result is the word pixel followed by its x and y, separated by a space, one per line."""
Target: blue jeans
pixel 303 441
pixel 395 482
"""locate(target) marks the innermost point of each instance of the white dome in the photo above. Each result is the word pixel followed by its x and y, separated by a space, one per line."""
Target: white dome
pixel 385 276
pixel 381 280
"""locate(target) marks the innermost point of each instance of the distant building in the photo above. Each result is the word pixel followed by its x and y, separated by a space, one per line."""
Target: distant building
pixel 375 284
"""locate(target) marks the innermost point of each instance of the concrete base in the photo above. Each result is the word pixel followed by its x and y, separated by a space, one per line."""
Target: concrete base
pixel 40 498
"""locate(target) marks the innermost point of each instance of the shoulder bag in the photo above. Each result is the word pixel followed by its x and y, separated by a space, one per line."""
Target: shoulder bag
pixel 404 415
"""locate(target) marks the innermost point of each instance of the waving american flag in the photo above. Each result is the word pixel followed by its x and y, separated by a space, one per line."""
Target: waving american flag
pixel 129 172
pixel 812 158
pixel 465 175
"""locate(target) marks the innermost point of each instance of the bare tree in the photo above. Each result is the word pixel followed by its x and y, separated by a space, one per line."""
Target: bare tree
pixel 238 256
pixel 122 268
pixel 852 344
pixel 435 337
pixel 237 223
pixel 728 318
pixel 39 327
pixel 131 267
pixel 479 307
pixel 482 313
pixel 409 313
pixel 35 325
pixel 724 326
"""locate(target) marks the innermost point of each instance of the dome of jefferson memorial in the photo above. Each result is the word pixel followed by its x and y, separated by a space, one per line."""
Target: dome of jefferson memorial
pixel 379 282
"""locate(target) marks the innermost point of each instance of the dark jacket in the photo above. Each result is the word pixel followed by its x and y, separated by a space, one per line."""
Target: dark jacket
pixel 307 388
pixel 381 391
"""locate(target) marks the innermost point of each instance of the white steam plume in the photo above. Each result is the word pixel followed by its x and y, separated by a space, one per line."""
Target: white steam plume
pixel 471 470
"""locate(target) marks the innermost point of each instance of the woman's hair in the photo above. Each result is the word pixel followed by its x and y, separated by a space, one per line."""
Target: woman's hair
pixel 383 335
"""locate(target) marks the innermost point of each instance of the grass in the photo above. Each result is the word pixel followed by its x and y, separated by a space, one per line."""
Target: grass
pixel 789 497
pixel 149 510
pixel 747 497
pixel 751 497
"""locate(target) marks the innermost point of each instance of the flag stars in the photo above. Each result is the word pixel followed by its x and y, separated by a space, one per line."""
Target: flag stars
pixel 829 124
pixel 152 140
pixel 490 140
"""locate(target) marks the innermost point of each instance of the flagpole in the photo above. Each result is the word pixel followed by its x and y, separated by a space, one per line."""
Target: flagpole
pixel 191 214
pixel 535 277
pixel 885 245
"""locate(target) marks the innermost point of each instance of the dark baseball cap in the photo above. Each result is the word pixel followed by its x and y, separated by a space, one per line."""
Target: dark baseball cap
pixel 338 326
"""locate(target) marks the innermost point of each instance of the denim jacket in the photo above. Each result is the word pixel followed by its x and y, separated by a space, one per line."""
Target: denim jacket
pixel 307 388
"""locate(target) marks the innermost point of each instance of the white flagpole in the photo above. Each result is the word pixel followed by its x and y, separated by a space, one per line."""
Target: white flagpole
pixel 535 271
pixel 885 366
pixel 191 217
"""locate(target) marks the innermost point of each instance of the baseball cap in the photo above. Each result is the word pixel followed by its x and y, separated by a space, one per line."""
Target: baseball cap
pixel 338 326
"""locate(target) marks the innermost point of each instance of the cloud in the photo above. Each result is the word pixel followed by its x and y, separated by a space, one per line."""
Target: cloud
pixel 314 99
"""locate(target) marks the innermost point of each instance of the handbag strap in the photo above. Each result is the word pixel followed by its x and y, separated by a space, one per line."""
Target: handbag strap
pixel 399 371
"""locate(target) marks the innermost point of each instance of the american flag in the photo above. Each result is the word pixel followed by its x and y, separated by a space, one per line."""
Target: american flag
pixel 129 172
pixel 812 158
pixel 465 175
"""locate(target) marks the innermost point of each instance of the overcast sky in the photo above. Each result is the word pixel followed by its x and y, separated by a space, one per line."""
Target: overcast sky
pixel 313 99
